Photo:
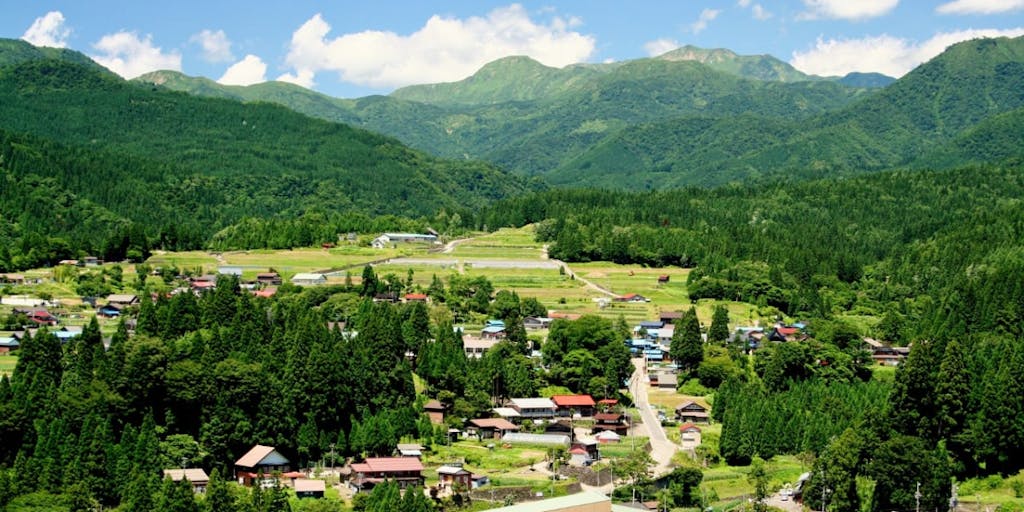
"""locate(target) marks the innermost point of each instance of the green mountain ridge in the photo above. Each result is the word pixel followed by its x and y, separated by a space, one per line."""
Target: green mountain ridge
pixel 160 158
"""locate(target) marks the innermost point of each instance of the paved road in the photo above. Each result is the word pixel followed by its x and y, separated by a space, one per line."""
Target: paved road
pixel 662 449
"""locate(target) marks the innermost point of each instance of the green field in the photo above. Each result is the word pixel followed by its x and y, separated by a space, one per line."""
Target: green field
pixel 7 363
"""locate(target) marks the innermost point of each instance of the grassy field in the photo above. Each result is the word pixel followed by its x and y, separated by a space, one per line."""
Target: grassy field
pixel 7 363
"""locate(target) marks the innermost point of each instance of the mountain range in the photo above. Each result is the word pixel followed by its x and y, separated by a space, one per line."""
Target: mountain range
pixel 171 150
pixel 691 116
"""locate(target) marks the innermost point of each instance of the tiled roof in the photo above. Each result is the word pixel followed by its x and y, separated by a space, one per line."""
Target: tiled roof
pixel 307 485
pixel 573 400
pixel 495 423
pixel 388 464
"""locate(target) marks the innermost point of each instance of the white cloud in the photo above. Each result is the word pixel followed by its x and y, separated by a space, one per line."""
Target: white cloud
pixel 892 56
pixel 48 30
pixel 248 71
pixel 846 9
pixel 743 3
pixel 216 45
pixel 760 12
pixel 444 49
pixel 706 16
pixel 660 46
pixel 128 55
pixel 979 6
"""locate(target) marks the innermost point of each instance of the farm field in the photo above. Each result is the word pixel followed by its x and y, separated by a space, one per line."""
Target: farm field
pixel 7 364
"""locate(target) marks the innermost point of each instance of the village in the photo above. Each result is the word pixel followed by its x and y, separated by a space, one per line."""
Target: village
pixel 570 441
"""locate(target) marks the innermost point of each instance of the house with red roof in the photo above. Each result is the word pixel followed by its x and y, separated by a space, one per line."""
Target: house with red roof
pixel 571 405
pixel 415 297
pixel 405 471
pixel 631 297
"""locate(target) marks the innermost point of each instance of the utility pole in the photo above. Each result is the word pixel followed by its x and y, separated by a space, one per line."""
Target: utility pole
pixel 332 457
pixel 824 488
pixel 917 498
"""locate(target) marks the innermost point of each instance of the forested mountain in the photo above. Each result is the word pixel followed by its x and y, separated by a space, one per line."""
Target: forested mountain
pixel 636 124
pixel 184 167
pixel 532 119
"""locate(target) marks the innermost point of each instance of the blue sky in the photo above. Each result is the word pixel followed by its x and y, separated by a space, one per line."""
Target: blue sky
pixel 351 49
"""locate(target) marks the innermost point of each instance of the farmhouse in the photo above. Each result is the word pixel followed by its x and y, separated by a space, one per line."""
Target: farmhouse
pixel 533 323
pixel 195 476
pixel 260 462
pixel 477 347
pixel 492 428
pixel 452 475
pixel 308 279
pixel 670 317
pixel 610 422
pixel 435 411
pixel 8 345
pixel 405 471
pixel 631 297
pixel 578 405
pixel 123 300
pixel 268 278
pixel 533 407
pixel 692 412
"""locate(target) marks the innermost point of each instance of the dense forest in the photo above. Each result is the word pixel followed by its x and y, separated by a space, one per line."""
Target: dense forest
pixel 96 165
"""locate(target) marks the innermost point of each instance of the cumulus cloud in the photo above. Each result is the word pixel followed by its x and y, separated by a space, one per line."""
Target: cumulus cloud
pixel 660 46
pixel 706 16
pixel 248 71
pixel 444 49
pixel 846 9
pixel 892 56
pixel 743 3
pixel 980 6
pixel 128 55
pixel 48 30
pixel 760 12
pixel 215 44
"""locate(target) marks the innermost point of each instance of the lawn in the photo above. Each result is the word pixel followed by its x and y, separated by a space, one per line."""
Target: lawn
pixel 7 364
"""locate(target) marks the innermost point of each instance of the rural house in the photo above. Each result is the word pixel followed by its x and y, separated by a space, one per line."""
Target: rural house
pixel 574 405
pixel 492 428
pixel 195 476
pixel 405 471
pixel 692 412
pixel 533 407
pixel 453 475
pixel 260 462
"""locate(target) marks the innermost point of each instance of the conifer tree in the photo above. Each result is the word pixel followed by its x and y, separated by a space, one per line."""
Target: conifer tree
pixel 719 331
pixel 687 346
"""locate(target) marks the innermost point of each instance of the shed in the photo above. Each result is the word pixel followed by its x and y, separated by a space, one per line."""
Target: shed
pixel 307 488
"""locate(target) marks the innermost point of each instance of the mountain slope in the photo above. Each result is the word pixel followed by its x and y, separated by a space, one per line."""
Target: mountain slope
pixel 908 120
pixel 216 161
pixel 515 78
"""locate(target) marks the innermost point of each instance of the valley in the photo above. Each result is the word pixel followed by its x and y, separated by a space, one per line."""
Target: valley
pixel 694 280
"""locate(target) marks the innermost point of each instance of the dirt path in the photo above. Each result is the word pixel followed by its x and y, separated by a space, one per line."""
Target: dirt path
pixel 568 271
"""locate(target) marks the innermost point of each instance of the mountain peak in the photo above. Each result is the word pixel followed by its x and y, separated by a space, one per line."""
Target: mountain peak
pixel 702 55
pixel 755 67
